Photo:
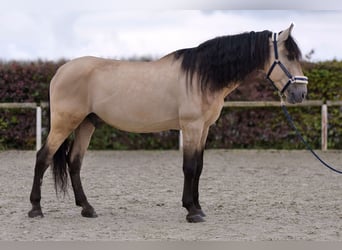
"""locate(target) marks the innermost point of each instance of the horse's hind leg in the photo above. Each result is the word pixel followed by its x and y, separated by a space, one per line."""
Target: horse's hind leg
pixel 82 138
pixel 43 160
pixel 60 130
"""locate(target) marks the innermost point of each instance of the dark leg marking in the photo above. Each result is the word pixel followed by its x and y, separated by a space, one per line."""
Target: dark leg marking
pixel 81 142
pixel 42 163
pixel 80 197
pixel 189 169
pixel 196 182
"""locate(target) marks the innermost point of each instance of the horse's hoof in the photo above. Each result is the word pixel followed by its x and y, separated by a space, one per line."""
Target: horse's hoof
pixel 89 213
pixel 201 213
pixel 194 218
pixel 35 213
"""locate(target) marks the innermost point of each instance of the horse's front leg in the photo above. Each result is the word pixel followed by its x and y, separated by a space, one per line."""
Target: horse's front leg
pixel 199 167
pixel 199 162
pixel 192 157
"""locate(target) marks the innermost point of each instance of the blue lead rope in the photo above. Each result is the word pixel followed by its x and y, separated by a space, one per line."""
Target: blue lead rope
pixel 290 121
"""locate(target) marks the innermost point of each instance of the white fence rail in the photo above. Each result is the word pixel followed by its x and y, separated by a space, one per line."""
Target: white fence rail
pixel 312 103
pixel 231 104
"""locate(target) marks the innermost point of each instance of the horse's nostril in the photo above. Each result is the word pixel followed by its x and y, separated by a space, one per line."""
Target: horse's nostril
pixel 303 95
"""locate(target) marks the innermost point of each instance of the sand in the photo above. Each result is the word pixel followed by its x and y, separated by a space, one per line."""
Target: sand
pixel 247 196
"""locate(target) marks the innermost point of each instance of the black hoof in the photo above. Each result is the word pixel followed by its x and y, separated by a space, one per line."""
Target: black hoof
pixel 89 213
pixel 194 218
pixel 201 213
pixel 35 213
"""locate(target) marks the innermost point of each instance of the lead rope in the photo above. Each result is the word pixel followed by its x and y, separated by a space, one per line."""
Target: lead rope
pixel 308 147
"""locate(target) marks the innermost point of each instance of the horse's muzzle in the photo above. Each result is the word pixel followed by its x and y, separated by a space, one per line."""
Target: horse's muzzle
pixel 296 93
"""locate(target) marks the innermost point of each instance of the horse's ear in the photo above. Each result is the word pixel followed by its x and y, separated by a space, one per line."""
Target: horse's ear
pixel 284 35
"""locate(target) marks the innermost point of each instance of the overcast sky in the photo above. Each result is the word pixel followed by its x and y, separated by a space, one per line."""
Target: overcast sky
pixel 52 30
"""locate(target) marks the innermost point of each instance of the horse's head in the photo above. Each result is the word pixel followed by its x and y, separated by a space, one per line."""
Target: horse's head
pixel 284 70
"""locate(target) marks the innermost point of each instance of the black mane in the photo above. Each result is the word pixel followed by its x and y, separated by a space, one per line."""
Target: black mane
pixel 227 59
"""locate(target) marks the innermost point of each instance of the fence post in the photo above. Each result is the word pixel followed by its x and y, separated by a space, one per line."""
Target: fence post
pixel 38 128
pixel 324 127
pixel 180 140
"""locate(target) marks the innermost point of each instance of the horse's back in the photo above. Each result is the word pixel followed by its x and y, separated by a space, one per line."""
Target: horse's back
pixel 135 96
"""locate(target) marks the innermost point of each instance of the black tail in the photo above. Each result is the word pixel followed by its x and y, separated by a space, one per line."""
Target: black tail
pixel 59 164
pixel 60 168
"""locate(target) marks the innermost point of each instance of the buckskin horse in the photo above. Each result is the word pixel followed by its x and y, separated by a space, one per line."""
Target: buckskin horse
pixel 183 90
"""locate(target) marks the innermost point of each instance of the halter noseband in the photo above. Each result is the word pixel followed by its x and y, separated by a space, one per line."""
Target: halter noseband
pixel 292 79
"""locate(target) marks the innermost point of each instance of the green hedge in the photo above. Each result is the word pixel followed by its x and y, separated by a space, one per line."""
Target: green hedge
pixel 263 128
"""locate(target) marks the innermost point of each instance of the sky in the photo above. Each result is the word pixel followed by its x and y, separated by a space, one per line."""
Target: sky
pixel 51 30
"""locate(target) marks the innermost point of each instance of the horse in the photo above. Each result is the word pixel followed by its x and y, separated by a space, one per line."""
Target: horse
pixel 184 90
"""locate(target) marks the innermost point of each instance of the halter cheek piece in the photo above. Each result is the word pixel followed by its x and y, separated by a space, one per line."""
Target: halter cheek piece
pixel 292 79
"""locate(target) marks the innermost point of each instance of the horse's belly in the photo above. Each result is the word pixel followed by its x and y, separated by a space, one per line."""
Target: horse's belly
pixel 142 126
pixel 139 118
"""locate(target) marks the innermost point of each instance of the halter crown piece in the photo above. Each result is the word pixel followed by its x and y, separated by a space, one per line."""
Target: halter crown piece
pixel 292 79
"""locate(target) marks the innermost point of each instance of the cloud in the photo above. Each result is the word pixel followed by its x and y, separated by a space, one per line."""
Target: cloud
pixel 69 33
pixel 101 5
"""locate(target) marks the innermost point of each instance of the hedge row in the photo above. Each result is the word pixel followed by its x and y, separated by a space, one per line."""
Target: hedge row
pixel 236 128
